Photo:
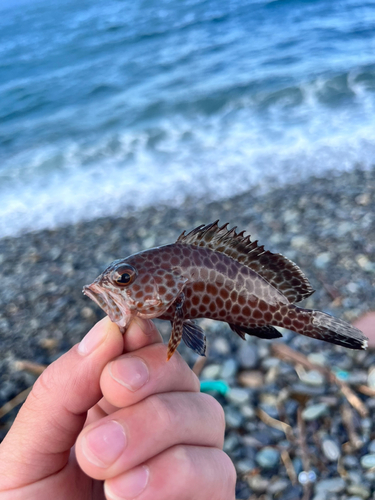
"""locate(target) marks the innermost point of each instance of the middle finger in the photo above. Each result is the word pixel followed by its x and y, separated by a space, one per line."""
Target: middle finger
pixel 137 433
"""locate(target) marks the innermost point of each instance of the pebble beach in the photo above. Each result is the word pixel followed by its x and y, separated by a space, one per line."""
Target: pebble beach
pixel 298 411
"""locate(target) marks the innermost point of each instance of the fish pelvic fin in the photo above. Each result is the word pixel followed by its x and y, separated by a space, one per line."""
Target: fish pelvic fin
pixel 262 332
pixel 280 272
pixel 336 331
pixel 194 337
pixel 177 326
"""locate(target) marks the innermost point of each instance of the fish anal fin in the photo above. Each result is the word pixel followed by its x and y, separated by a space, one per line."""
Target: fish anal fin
pixel 194 337
pixel 279 271
pixel 262 332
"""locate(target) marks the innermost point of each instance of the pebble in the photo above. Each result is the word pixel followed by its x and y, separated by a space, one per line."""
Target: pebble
pixel 230 443
pixel 314 412
pixel 251 378
pixel 268 457
pixel 333 485
pixel 318 358
pixel 350 462
pixel 371 377
pixel 229 369
pixel 238 396
pixel 233 417
pixel 331 450
pixel 312 377
pixel 371 446
pixel 306 477
pixel 277 486
pixel 322 260
pixel 368 461
pixel 245 465
pixel 212 371
pixel 359 490
pixel 221 345
pixel 248 412
pixel 308 390
pixel 248 356
pixel 258 483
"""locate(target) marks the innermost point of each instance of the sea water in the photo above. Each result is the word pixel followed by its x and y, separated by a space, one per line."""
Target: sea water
pixel 115 105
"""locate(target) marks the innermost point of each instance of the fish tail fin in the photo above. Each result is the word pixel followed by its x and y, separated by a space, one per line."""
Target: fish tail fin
pixel 325 327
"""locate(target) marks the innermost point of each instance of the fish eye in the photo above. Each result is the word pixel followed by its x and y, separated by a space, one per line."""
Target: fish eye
pixel 124 275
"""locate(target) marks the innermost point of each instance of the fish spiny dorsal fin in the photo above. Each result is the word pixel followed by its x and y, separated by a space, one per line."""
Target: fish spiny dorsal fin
pixel 279 271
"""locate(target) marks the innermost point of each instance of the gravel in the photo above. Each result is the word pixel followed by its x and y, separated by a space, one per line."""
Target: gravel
pixel 283 423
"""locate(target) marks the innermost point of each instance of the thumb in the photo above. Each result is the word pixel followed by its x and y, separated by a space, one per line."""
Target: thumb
pixel 39 442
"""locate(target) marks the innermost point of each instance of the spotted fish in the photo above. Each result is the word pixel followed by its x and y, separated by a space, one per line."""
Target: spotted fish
pixel 215 272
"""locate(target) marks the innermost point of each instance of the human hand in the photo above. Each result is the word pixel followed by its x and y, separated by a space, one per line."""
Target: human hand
pixel 112 419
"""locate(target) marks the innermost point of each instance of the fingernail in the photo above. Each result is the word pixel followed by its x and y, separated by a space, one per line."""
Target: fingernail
pixel 129 485
pixel 131 372
pixel 146 325
pixel 93 339
pixel 104 444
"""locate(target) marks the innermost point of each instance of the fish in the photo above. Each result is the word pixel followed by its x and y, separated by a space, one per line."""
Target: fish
pixel 214 272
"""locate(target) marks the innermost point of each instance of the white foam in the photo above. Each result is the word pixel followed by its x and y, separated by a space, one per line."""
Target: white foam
pixel 203 156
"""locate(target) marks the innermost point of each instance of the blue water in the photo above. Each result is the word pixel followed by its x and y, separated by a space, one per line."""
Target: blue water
pixel 110 105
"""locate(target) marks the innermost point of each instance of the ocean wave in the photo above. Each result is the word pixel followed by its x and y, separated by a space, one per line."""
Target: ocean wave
pixel 123 106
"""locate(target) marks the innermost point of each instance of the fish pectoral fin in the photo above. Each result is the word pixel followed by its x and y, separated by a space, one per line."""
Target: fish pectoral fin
pixel 262 332
pixel 194 337
pixel 177 326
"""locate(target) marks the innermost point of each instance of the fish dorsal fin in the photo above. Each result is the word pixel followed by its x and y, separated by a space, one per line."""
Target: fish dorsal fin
pixel 279 271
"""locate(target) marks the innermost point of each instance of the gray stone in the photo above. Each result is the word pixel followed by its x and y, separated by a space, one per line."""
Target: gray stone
pixel 332 485
pixel 359 490
pixel 368 461
pixel 233 417
pixel 277 486
pixel 229 369
pixel 318 358
pixel 350 461
pixel 248 412
pixel 306 477
pixel 248 356
pixel 312 377
pixel 371 377
pixel 314 412
pixel 331 450
pixel 221 346
pixel 308 390
pixel 258 483
pixel 268 457
pixel 230 443
pixel 322 260
pixel 245 465
pixel 211 371
pixel 371 446
pixel 238 396
pixel 321 496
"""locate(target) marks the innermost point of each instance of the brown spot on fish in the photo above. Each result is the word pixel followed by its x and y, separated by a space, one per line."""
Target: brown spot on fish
pixel 198 286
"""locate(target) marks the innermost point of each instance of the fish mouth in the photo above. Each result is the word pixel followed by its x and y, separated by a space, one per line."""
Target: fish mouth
pixel 97 296
pixel 118 313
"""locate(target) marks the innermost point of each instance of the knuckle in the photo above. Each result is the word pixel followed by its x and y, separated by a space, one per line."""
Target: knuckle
pixel 163 411
pixel 43 386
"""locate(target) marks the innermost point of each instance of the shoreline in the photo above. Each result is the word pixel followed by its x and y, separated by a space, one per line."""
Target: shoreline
pixel 326 226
